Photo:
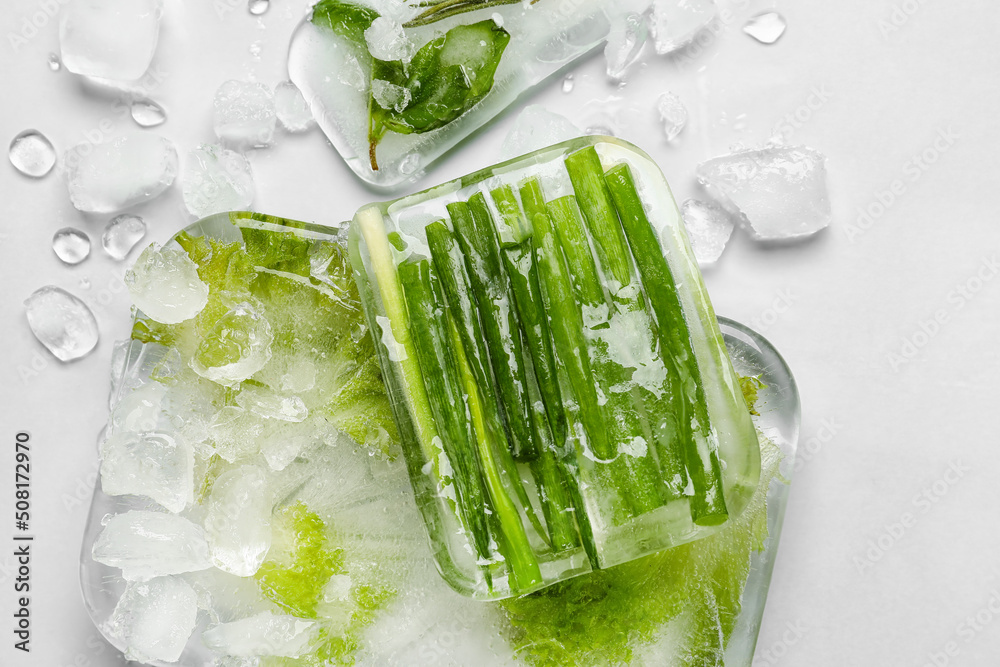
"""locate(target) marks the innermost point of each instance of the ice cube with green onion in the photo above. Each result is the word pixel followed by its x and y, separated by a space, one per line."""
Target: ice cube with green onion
pixel 562 391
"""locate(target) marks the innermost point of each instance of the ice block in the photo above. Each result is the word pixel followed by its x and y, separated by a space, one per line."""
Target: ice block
pixel 394 90
pixel 562 391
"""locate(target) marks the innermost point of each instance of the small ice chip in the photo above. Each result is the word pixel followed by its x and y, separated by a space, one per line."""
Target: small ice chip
pixel 55 63
pixel 216 180
pixel 155 619
pixel 244 114
pixel 109 39
pixel 236 347
pixel 165 286
pixel 61 322
pixel 238 520
pixel 139 410
pixel 71 245
pixel 389 95
pixel 127 170
pixel 147 113
pixel 676 23
pixel 291 107
pixel 145 545
pixel 121 234
pixel 155 464
pixel 537 127
pixel 269 405
pixel 264 634
pixel 766 28
pixel 568 83
pixel 387 40
pixel 777 192
pixel 708 228
pixel 32 153
pixel 673 115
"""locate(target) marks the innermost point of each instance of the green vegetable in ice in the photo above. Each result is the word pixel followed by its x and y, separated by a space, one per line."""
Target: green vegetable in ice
pixel 448 76
pixel 347 19
pixel 708 504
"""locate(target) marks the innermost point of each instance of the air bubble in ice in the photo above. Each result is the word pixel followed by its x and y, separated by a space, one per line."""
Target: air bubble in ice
pixel 121 234
pixel 236 347
pixel 147 113
pixel 71 245
pixel 675 23
pixel 258 7
pixel 127 170
pixel 32 153
pixel 673 115
pixel 154 464
pixel 244 114
pixel 766 28
pixel 165 286
pixel 145 545
pixel 109 39
pixel 155 619
pixel 291 107
pixel 61 322
pixel 708 228
pixel 777 193
pixel 216 180
pixel 238 520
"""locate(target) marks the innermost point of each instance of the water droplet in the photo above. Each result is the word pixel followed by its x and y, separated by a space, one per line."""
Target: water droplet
pixel 55 64
pixel 148 113
pixel 766 28
pixel 71 245
pixel 255 50
pixel 61 322
pixel 258 7
pixel 122 234
pixel 568 83
pixel 84 283
pixel 32 153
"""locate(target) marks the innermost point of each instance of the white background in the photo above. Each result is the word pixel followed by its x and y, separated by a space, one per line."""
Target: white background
pixel 851 587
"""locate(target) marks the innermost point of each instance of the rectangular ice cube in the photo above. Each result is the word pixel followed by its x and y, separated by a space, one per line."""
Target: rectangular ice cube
pixel 557 373
pixel 109 39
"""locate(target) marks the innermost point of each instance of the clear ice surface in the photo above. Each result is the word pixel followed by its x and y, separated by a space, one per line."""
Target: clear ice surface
pixel 676 23
pixel 777 192
pixel 155 464
pixel 270 405
pixel 291 108
pixel 629 29
pixel 673 115
pixel 708 228
pixel 139 410
pixel 387 41
pixel 766 28
pixel 121 234
pixel 71 245
pixel 32 153
pixel 235 433
pixel 258 7
pixel 264 634
pixel 236 347
pixel 146 545
pixel 109 39
pixel 238 520
pixel 121 172
pixel 61 322
pixel 216 180
pixel 244 114
pixel 536 127
pixel 164 284
pixel 155 619
pixel 147 113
